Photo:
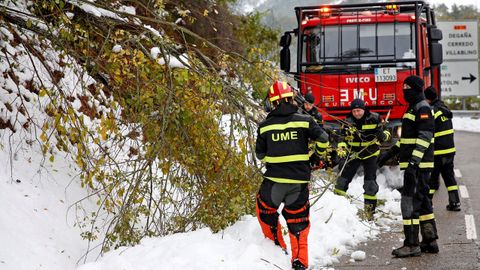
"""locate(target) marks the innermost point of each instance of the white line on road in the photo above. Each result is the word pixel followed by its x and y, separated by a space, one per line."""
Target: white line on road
pixel 458 174
pixel 470 227
pixel 463 191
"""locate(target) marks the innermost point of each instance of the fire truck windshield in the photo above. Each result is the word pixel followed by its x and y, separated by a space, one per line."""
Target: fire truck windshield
pixel 361 46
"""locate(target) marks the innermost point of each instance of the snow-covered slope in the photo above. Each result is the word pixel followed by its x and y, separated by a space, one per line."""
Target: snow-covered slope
pixel 336 230
pixel 37 202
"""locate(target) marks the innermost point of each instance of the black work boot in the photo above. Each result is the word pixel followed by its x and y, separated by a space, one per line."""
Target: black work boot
pixel 431 247
pixel 297 265
pixel 454 207
pixel 428 230
pixel 407 251
pixel 410 246
pixel 453 201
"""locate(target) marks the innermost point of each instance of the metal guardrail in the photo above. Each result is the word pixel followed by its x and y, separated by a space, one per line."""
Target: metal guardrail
pixel 464 113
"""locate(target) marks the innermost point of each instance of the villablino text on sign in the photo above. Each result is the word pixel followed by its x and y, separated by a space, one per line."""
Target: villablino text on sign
pixel 461 52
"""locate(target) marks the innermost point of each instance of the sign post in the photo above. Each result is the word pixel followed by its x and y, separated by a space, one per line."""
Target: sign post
pixel 459 70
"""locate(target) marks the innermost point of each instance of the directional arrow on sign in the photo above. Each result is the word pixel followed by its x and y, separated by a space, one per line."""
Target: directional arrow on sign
pixel 471 78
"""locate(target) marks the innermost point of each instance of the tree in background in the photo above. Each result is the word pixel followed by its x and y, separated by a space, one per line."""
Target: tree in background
pixel 135 92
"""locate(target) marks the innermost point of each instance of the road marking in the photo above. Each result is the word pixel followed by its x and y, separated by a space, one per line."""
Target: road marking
pixel 458 174
pixel 463 191
pixel 470 227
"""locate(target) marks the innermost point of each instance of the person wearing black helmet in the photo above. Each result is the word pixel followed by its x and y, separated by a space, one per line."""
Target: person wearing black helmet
pixel 362 132
pixel 309 108
pixel 415 152
pixel 444 150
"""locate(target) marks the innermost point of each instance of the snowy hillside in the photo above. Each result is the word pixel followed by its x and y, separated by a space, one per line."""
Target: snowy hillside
pixel 336 230
pixel 37 201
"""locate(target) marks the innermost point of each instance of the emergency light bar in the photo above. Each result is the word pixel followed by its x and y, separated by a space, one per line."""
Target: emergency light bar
pixel 308 12
pixel 325 12
pixel 392 9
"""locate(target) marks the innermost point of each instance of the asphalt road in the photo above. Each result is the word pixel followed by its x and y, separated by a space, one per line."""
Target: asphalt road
pixel 456 250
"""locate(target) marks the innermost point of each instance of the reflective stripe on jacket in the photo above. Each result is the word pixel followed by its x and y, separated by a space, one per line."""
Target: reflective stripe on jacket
pixel 444 142
pixel 416 141
pixel 362 140
pixel 282 143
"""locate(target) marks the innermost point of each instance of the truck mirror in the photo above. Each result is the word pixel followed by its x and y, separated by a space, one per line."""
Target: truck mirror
pixel 436 54
pixel 285 40
pixel 285 59
pixel 435 34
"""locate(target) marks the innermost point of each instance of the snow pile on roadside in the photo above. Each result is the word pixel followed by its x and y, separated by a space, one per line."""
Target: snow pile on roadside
pixel 466 124
pixel 335 230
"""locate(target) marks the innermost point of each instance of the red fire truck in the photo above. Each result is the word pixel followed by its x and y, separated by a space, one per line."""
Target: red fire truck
pixel 363 51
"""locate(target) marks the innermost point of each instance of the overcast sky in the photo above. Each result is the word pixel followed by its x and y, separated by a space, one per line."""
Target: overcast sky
pixel 451 2
pixel 249 5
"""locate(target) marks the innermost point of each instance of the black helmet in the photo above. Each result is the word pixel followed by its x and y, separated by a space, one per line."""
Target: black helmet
pixel 415 82
pixel 310 98
pixel 430 93
pixel 357 104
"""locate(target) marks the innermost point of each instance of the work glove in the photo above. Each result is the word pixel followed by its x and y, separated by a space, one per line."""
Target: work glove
pixel 350 132
pixel 383 135
pixel 383 158
pixel 380 135
pixel 341 152
pixel 314 160
pixel 412 169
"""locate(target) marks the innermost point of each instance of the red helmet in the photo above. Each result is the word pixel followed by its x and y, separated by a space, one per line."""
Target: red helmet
pixel 279 90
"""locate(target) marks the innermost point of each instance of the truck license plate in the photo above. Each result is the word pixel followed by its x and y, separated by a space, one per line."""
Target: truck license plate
pixel 385 75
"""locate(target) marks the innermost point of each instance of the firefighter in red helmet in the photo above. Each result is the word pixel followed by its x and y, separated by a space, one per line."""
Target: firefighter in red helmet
pixel 283 144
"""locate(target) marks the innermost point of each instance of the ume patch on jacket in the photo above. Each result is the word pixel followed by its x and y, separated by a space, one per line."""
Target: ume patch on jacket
pixel 285 136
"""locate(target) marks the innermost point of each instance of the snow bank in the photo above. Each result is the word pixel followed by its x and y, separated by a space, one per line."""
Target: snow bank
pixel 466 124
pixel 335 230
pixel 37 197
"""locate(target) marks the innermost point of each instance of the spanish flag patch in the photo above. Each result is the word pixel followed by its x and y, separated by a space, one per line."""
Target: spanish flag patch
pixel 423 116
